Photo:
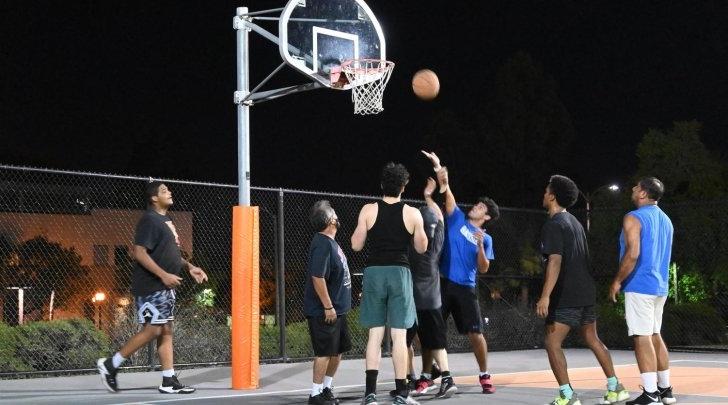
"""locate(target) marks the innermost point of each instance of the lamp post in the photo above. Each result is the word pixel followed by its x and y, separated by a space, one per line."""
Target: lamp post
pixel 588 198
pixel 97 299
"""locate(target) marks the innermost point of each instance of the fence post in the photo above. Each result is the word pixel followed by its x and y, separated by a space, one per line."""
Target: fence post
pixel 150 359
pixel 281 279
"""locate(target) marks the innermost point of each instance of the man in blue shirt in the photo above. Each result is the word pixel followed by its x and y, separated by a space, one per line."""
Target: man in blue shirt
pixel 467 251
pixel 645 249
pixel 326 302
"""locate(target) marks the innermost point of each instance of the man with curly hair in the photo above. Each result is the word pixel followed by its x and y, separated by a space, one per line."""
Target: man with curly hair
pixel 569 294
pixel 388 226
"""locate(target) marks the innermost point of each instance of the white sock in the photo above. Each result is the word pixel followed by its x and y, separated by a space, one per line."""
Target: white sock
pixel 316 389
pixel 117 360
pixel 649 381
pixel 168 373
pixel 484 373
pixel 663 378
pixel 327 381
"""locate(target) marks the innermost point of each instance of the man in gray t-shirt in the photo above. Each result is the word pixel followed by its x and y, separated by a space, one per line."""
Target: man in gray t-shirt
pixel 430 327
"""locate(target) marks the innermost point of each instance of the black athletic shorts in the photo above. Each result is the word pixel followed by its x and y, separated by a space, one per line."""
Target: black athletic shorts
pixel 430 328
pixel 574 317
pixel 329 339
pixel 462 302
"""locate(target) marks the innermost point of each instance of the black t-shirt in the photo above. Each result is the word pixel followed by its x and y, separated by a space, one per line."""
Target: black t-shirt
pixel 158 235
pixel 563 235
pixel 326 260
pixel 425 267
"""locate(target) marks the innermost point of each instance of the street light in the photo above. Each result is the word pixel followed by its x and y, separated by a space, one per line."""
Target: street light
pixel 97 299
pixel 588 198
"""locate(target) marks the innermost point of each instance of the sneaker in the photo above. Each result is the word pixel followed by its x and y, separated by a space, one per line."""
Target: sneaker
pixel 447 388
pixel 328 395
pixel 435 370
pixel 562 400
pixel 400 400
pixel 411 386
pixel 647 398
pixel 666 395
pixel 171 385
pixel 108 373
pixel 370 399
pixel 618 395
pixel 487 384
pixel 423 386
pixel 318 400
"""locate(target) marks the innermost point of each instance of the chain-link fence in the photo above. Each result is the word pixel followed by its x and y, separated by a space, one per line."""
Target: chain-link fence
pixel 65 272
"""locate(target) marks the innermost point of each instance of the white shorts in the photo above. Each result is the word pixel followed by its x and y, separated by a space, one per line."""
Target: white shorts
pixel 643 313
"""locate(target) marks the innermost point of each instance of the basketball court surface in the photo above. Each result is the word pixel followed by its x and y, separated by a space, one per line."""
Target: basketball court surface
pixel 521 377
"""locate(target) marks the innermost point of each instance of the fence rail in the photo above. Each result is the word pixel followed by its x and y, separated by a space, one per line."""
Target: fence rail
pixel 65 271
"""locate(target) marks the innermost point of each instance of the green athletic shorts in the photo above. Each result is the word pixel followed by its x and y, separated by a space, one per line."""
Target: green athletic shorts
pixel 387 298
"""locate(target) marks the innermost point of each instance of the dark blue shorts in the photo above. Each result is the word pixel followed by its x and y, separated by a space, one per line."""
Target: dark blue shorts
pixel 156 308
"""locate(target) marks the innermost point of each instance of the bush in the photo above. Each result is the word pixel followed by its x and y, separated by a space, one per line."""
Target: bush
pixel 60 345
pixel 9 360
pixel 201 335
pixel 612 326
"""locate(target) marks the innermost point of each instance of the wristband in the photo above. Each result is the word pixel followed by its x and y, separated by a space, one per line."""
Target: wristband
pixel 327 309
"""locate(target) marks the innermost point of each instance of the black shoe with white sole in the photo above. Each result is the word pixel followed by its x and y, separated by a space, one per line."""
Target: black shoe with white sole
pixel 666 395
pixel 447 388
pixel 647 398
pixel 108 373
pixel 171 385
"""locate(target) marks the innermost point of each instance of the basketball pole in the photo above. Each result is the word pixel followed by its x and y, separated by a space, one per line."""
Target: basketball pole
pixel 245 312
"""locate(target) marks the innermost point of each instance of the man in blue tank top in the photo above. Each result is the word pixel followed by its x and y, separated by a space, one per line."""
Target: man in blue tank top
pixel 645 246
pixel 467 251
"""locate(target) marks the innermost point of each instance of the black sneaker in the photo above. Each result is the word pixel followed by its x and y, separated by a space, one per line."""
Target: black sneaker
pixel 318 400
pixel 171 385
pixel 666 395
pixel 447 388
pixel 647 398
pixel 436 373
pixel 328 395
pixel 370 399
pixel 411 386
pixel 108 373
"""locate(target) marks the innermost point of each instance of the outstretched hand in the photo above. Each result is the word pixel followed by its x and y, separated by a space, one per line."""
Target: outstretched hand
pixel 433 158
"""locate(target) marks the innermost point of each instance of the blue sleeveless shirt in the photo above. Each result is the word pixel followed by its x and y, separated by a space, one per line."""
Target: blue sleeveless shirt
pixel 651 272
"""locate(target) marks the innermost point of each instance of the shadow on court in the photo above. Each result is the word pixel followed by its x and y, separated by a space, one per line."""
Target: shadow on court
pixel 521 377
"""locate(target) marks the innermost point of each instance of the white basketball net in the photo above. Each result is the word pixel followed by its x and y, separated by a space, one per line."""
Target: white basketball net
pixel 368 78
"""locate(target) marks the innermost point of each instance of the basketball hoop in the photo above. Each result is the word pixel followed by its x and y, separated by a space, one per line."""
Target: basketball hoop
pixel 368 78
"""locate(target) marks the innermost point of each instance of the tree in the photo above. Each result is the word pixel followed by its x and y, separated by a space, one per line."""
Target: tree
pixel 527 132
pixel 679 158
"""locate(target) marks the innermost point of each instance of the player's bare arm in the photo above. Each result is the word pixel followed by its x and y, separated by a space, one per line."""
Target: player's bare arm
pixel 483 262
pixel 427 193
pixel 367 216
pixel 142 257
pixel 632 229
pixel 552 274
pixel 416 226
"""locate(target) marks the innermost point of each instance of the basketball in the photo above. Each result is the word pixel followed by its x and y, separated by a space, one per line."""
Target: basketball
pixel 425 84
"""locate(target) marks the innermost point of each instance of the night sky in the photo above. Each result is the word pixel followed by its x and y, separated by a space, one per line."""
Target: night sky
pixel 146 87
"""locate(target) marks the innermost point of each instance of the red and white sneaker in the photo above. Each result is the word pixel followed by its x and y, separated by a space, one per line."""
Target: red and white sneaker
pixel 423 386
pixel 487 384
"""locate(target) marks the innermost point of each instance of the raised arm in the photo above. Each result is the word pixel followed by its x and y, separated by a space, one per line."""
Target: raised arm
pixel 443 179
pixel 632 228
pixel 429 189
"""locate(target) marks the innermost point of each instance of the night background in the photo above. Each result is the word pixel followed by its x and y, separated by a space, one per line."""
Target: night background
pixel 528 89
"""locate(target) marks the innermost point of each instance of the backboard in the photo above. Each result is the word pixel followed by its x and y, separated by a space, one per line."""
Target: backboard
pixel 318 35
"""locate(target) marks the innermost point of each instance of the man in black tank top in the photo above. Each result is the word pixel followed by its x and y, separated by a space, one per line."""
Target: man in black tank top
pixel 387 299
